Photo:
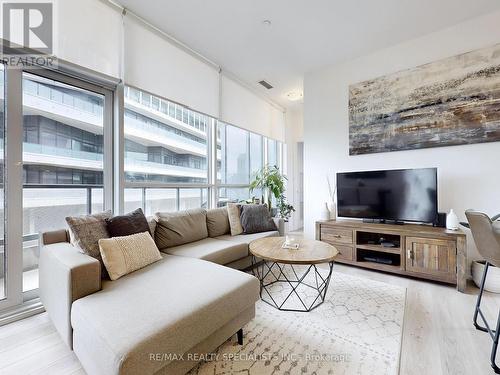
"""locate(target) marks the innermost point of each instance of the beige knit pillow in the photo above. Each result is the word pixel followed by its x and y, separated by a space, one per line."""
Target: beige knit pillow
pixel 123 255
pixel 233 213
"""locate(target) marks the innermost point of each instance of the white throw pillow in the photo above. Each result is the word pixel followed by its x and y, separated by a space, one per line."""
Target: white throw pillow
pixel 123 255
pixel 233 213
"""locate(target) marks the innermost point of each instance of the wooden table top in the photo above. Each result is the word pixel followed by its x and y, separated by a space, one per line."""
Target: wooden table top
pixel 309 251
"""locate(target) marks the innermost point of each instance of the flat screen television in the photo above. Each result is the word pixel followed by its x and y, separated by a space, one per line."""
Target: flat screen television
pixel 392 195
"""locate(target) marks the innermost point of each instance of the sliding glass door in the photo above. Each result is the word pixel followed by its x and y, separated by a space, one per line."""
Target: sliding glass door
pixel 3 258
pixel 63 159
pixel 55 161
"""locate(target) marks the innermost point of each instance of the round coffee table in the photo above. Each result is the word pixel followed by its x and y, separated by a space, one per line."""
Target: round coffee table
pixel 277 266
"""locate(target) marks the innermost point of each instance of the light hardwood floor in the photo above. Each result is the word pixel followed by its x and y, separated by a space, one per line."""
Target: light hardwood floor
pixel 438 336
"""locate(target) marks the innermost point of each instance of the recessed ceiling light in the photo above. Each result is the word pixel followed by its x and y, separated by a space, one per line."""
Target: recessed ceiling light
pixel 266 22
pixel 295 95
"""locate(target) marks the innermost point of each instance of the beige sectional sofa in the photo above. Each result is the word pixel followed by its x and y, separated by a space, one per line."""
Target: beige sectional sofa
pixel 149 321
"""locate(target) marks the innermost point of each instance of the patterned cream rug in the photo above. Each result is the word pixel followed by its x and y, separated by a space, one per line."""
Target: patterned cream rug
pixel 357 330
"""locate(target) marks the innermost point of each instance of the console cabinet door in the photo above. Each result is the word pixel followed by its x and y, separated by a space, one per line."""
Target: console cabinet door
pixel 434 258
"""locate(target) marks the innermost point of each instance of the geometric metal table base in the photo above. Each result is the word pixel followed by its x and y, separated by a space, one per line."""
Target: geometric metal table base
pixel 268 276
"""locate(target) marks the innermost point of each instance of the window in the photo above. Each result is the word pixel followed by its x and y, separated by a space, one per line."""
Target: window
pixel 3 258
pixel 241 157
pixel 235 162
pixel 163 146
pixel 63 160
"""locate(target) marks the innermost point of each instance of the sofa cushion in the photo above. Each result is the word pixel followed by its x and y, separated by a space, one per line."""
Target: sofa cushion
pixel 255 218
pixel 211 249
pixel 247 238
pixel 217 222
pixel 125 254
pixel 85 232
pixel 178 228
pixel 125 225
pixel 167 307
pixel 233 212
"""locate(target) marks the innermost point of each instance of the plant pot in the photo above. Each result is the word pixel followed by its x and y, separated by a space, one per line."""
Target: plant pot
pixel 283 227
pixel 492 283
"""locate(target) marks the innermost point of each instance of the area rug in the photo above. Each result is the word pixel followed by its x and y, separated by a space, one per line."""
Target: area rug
pixel 357 330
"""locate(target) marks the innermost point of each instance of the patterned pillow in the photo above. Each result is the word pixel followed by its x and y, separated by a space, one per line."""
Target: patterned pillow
pixel 126 254
pixel 86 231
pixel 233 213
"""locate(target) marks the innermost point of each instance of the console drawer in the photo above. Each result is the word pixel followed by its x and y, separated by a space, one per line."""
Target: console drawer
pixel 336 235
pixel 345 252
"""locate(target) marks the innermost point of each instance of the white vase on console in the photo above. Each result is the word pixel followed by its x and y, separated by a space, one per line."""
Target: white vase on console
pixel 325 213
pixel 452 222
pixel 332 208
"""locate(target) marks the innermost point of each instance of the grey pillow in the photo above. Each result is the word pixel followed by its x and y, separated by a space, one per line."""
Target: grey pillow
pixel 86 231
pixel 255 218
pixel 178 228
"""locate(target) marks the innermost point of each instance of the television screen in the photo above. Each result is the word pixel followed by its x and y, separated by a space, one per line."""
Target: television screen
pixel 402 195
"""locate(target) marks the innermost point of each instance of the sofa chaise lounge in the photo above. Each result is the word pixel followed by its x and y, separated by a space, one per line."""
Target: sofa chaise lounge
pixel 151 320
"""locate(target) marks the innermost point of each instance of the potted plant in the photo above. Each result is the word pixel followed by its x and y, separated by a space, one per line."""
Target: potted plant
pixel 272 183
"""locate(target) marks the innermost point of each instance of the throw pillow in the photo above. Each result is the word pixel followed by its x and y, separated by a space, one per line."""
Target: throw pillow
pixel 233 213
pixel 125 254
pixel 125 225
pixel 178 228
pixel 217 222
pixel 255 218
pixel 86 231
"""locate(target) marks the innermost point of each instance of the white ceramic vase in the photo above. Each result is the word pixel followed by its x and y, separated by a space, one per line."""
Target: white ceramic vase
pixel 452 222
pixel 325 213
pixel 332 208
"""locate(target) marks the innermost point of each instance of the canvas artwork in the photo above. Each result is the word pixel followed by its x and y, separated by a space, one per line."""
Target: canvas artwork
pixel 454 101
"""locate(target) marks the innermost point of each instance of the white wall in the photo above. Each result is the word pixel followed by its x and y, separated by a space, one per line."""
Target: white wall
pixel 294 135
pixel 469 176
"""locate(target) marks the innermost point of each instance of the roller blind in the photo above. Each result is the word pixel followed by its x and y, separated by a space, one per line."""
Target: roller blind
pixel 154 64
pixel 88 33
pixel 241 107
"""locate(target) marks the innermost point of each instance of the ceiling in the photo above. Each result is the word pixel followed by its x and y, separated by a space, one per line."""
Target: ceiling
pixel 303 35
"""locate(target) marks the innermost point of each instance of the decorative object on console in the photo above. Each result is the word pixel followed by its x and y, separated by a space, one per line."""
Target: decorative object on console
pixel 325 213
pixel 453 101
pixel 332 204
pixel 452 220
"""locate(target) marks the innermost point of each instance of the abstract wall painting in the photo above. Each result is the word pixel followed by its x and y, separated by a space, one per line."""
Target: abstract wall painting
pixel 454 101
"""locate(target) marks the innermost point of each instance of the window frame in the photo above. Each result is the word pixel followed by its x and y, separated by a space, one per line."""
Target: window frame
pixel 15 298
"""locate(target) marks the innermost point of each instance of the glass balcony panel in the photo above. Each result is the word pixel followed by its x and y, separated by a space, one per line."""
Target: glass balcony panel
pixel 160 200
pixel 193 198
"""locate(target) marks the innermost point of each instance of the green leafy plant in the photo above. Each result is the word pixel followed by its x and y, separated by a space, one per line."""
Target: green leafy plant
pixel 272 183
pixel 285 209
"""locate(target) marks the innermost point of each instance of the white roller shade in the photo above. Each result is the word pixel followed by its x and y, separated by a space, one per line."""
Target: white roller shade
pixel 277 124
pixel 155 65
pixel 241 107
pixel 88 33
